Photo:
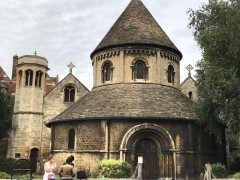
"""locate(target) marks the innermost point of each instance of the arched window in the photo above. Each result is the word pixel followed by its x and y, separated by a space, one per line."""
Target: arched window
pixel 20 77
pixel 38 78
pixel 107 71
pixel 28 77
pixel 69 94
pixel 170 74
pixel 140 70
pixel 190 95
pixel 71 139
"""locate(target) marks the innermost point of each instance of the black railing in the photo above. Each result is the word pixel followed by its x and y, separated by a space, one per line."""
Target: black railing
pixel 20 171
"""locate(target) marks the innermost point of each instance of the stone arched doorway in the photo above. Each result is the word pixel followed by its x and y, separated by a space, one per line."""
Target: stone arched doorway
pixel 155 145
pixel 34 158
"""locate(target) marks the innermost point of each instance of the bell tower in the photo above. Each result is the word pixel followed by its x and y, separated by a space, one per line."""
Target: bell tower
pixel 27 119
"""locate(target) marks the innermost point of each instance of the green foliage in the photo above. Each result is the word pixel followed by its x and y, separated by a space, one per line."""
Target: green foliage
pixel 216 28
pixel 6 165
pixel 219 170
pixel 236 175
pixel 4 175
pixel 6 108
pixel 111 168
pixel 235 165
pixel 201 176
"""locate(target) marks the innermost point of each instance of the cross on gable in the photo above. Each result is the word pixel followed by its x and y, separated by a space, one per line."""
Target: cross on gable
pixel 189 68
pixel 71 66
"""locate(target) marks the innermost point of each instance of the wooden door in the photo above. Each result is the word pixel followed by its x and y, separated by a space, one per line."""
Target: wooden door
pixel 34 158
pixel 148 150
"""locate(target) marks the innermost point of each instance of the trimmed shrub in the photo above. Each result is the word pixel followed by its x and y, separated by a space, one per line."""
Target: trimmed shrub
pixel 236 175
pixel 111 168
pixel 4 175
pixel 219 170
pixel 235 165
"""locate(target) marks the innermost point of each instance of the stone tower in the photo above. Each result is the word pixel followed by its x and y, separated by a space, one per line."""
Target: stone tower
pixel 136 50
pixel 27 122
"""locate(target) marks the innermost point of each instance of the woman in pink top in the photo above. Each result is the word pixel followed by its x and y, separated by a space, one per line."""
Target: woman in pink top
pixel 49 168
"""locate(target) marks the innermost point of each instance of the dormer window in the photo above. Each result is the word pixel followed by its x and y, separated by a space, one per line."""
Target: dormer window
pixel 69 94
pixel 140 70
pixel 107 71
pixel 28 77
pixel 170 74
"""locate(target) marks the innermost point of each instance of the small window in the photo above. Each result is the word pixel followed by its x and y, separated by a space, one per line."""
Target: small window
pixel 38 78
pixel 69 94
pixel 17 155
pixel 20 77
pixel 190 95
pixel 140 70
pixel 71 139
pixel 29 77
pixel 107 71
pixel 170 74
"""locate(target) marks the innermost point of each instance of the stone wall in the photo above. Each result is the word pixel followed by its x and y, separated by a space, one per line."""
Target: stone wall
pixel 192 145
pixel 54 104
pixel 157 63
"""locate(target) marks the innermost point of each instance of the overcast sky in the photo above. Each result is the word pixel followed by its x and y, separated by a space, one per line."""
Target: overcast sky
pixel 65 31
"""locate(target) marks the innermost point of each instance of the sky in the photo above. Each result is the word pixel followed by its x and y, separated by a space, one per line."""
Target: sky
pixel 65 31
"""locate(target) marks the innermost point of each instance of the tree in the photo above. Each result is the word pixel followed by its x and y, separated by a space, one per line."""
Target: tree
pixel 216 28
pixel 6 109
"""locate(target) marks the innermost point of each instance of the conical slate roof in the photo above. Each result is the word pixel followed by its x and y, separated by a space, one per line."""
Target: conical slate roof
pixel 136 26
pixel 132 100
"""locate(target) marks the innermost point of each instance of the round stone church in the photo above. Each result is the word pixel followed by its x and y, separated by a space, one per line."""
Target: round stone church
pixel 135 109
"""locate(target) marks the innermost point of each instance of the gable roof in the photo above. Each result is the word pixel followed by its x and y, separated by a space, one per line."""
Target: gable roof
pixel 132 100
pixel 136 26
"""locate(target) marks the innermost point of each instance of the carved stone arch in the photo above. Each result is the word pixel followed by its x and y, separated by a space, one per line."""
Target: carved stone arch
pixel 140 59
pixel 107 71
pixel 170 72
pixel 69 92
pixel 140 69
pixel 153 138
pixel 28 76
pixel 70 84
pixel 105 62
pixel 143 127
pixel 168 64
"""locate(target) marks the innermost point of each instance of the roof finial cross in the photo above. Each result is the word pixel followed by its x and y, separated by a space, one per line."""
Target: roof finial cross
pixel 71 66
pixel 189 68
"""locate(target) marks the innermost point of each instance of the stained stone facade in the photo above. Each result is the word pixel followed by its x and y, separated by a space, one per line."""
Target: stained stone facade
pixel 136 107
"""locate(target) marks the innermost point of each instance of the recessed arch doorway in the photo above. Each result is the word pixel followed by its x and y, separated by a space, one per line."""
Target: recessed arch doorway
pixel 34 158
pixel 156 147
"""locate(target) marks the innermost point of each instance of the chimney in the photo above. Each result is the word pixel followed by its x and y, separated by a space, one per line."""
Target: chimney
pixel 15 62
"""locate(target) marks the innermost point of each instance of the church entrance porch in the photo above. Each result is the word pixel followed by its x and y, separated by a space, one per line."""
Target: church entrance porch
pixel 155 147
